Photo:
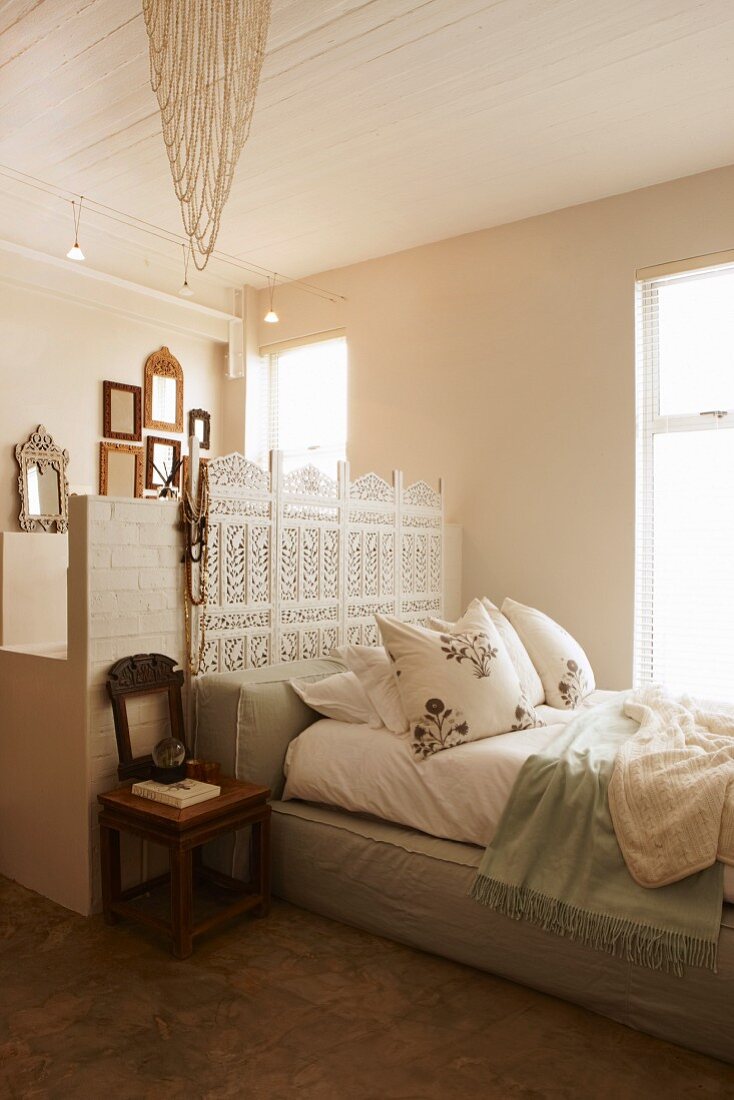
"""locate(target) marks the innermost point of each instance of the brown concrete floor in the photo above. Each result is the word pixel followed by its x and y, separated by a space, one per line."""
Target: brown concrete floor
pixel 296 1005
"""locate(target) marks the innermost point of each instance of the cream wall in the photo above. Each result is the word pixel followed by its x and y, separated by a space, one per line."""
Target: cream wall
pixel 54 355
pixel 44 832
pixel 504 361
pixel 33 589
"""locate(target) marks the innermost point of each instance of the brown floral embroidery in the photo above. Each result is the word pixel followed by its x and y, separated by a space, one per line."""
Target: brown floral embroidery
pixel 393 662
pixel 441 727
pixel 574 686
pixel 526 715
pixel 474 648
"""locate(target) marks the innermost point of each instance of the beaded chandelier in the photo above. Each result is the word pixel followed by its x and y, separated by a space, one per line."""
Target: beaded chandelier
pixel 205 62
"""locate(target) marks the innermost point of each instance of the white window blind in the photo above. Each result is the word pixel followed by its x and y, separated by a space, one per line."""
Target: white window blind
pixel 684 592
pixel 303 404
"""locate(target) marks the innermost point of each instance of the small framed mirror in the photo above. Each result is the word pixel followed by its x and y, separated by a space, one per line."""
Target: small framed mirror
pixel 162 463
pixel 199 427
pixel 163 392
pixel 145 692
pixel 120 470
pixel 42 483
pixel 122 411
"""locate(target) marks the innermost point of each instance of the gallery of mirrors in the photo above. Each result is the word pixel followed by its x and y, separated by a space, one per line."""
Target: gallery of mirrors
pixel 93 557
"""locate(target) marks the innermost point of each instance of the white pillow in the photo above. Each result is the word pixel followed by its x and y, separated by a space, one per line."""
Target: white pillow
pixel 374 670
pixel 455 687
pixel 563 666
pixel 340 696
pixel 527 673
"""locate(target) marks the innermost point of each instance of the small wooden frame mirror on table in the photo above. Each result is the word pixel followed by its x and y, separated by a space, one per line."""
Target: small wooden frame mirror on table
pixel 145 692
pixel 42 483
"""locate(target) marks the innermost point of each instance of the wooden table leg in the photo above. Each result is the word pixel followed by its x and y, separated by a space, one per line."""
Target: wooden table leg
pixel 181 901
pixel 109 846
pixel 197 856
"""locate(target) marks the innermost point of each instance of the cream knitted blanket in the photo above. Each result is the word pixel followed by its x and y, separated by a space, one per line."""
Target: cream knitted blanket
pixel 671 795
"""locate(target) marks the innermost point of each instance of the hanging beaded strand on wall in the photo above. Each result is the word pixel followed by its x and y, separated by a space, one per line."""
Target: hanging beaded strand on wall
pixel 195 519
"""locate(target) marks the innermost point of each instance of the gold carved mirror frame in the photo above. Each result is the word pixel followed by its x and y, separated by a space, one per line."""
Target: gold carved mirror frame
pixel 136 481
pixel 162 364
pixel 43 455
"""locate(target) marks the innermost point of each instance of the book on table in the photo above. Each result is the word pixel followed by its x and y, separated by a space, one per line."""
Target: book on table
pixel 179 795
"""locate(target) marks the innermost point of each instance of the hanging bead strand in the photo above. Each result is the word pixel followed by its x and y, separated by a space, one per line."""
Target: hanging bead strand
pixel 205 64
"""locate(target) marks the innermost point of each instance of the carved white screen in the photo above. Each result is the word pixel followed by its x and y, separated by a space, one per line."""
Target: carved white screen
pixel 300 563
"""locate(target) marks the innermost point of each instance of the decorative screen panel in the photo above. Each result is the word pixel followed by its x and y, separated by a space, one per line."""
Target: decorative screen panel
pixel 300 563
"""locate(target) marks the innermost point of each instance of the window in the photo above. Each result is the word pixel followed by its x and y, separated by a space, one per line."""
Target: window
pixel 301 404
pixel 684 599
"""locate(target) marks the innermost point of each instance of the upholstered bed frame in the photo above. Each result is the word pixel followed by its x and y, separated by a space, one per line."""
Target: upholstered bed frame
pixel 300 563
pixel 413 888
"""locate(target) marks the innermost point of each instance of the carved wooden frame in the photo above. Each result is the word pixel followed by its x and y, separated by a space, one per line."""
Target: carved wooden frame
pixel 41 450
pixel 201 414
pixel 104 450
pixel 143 674
pixel 137 434
pixel 164 365
pixel 150 442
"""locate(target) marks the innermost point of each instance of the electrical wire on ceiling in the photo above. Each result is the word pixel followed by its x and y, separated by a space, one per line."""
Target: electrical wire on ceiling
pixel 121 217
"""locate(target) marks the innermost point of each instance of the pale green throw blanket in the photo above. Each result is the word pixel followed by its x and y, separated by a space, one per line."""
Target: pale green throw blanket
pixel 555 860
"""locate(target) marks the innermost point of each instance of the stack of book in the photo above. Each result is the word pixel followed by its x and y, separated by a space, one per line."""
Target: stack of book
pixel 180 795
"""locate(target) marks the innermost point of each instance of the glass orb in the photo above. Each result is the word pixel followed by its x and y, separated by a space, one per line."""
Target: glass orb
pixel 169 753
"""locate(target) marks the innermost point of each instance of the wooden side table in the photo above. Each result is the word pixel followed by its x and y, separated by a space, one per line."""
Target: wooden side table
pixel 183 832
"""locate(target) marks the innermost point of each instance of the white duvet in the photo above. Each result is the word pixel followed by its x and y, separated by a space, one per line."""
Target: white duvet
pixel 459 794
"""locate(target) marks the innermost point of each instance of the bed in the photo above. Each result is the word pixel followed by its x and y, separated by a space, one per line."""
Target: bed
pixel 362 835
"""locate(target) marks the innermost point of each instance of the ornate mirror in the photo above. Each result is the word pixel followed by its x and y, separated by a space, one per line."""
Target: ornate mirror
pixel 162 462
pixel 43 485
pixel 122 411
pixel 163 392
pixel 120 470
pixel 199 426
pixel 145 692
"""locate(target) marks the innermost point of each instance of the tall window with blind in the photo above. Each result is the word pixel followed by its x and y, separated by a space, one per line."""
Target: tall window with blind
pixel 301 403
pixel 684 622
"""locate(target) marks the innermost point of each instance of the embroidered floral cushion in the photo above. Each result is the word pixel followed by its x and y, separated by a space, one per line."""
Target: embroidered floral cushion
pixel 458 686
pixel 561 662
pixel 524 667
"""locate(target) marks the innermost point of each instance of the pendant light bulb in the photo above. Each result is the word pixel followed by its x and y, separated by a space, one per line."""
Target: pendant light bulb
pixel 186 291
pixel 271 317
pixel 75 252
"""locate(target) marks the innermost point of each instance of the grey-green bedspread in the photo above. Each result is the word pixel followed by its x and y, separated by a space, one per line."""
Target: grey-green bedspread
pixel 555 860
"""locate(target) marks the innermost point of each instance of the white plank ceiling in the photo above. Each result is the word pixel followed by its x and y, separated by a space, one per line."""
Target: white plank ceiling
pixel 380 124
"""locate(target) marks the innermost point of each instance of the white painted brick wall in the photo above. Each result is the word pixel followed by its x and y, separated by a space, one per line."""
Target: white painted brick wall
pixel 135 587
